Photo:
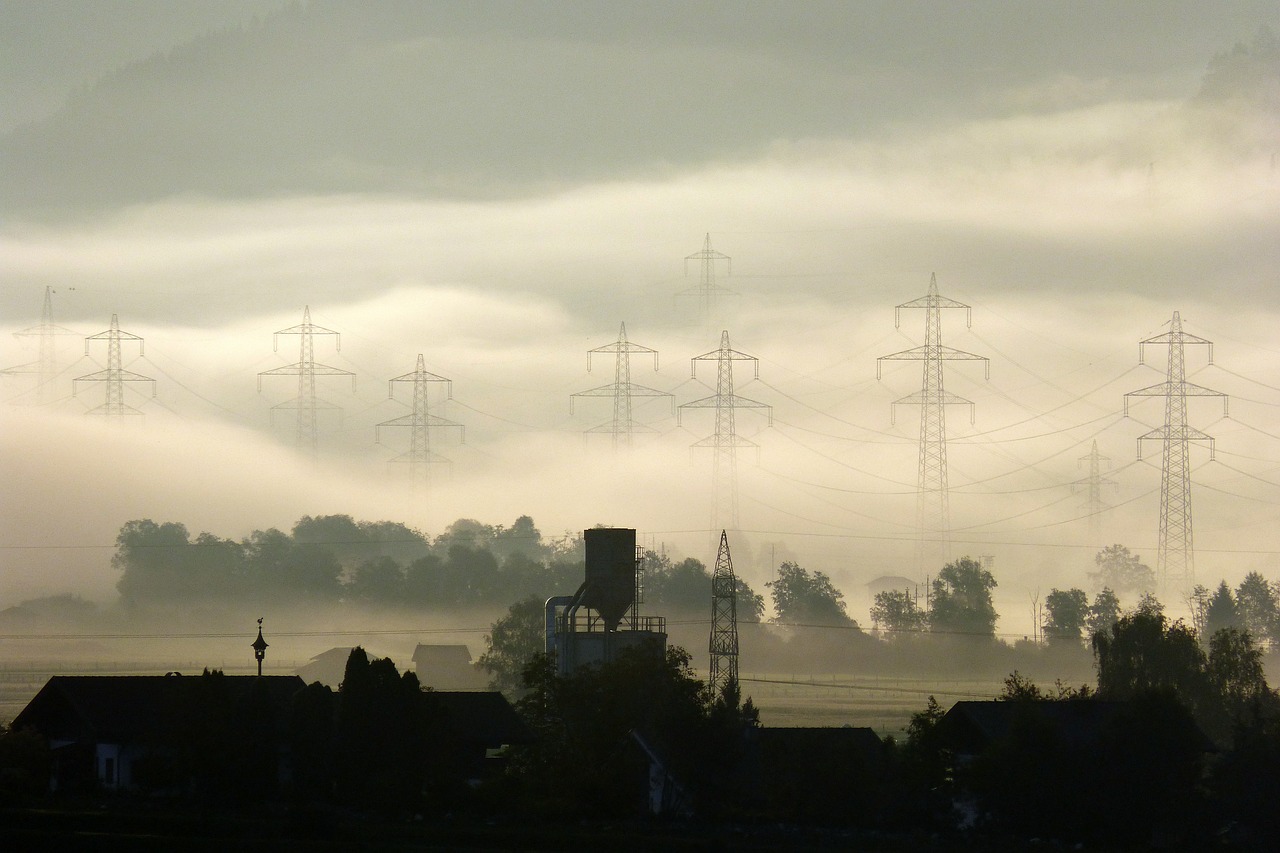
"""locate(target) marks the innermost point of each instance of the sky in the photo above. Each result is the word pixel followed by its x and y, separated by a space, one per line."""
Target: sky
pixel 499 186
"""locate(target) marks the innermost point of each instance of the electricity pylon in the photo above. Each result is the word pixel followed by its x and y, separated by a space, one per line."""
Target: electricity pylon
pixel 45 367
pixel 1092 485
pixel 933 511
pixel 115 375
pixel 707 291
pixel 622 390
pixel 725 441
pixel 420 423
pixel 306 404
pixel 724 623
pixel 1175 562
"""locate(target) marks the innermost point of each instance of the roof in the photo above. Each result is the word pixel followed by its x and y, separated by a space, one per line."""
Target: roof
pixel 127 707
pixel 971 725
pixel 893 582
pixel 447 667
pixel 441 655
pixel 819 738
pixel 478 717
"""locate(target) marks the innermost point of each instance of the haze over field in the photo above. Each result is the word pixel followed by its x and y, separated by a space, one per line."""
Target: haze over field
pixel 499 186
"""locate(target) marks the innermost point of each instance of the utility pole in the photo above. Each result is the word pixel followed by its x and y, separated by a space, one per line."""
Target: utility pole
pixel 45 367
pixel 725 441
pixel 1175 562
pixel 306 404
pixel 933 512
pixel 724 624
pixel 622 390
pixel 115 375
pixel 1092 484
pixel 707 291
pixel 420 422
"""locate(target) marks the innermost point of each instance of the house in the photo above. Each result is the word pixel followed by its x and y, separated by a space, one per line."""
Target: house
pixel 814 773
pixel 447 667
pixel 108 731
pixel 894 583
pixel 469 731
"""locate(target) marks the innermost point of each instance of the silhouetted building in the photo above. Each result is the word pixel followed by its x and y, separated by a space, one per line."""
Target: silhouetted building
pixel 469 731
pixel 601 619
pixel 107 731
pixel 447 667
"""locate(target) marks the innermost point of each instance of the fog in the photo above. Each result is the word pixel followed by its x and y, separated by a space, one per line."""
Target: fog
pixel 1075 201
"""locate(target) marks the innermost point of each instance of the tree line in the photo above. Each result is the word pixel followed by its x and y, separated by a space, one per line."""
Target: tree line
pixel 334 558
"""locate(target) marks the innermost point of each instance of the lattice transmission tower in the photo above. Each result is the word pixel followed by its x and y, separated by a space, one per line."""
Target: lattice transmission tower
pixel 420 422
pixel 1175 561
pixel 724 623
pixel 115 376
pixel 725 441
pixel 933 510
pixel 45 367
pixel 306 405
pixel 1092 485
pixel 622 390
pixel 707 292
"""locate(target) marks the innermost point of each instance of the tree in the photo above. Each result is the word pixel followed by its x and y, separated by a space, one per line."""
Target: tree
pixel 1144 651
pixel 379 580
pixel 513 641
pixel 1236 671
pixel 581 764
pixel 961 601
pixel 896 611
pixel 1068 613
pixel 1257 608
pixel 1121 570
pixel 1221 612
pixel 380 736
pixel 1104 612
pixel 804 598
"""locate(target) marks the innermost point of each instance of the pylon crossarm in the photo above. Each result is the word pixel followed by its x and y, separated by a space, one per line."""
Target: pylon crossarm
pixel 297 403
pixel 122 375
pixel 724 441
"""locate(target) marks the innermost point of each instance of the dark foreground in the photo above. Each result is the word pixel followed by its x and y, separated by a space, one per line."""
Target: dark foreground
pixel 138 828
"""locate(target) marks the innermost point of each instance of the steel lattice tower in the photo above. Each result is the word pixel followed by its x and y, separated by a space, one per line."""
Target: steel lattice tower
pixel 306 404
pixel 622 390
pixel 45 367
pixel 420 423
pixel 725 441
pixel 707 290
pixel 115 375
pixel 1093 484
pixel 724 623
pixel 1175 561
pixel 933 512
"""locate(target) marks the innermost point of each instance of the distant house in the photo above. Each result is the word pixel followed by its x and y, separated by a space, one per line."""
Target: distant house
pixel 103 730
pixel 447 667
pixel 328 667
pixel 893 583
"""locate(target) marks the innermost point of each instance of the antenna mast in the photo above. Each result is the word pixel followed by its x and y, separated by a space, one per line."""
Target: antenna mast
pixel 707 291
pixel 725 441
pixel 622 390
pixel 724 623
pixel 1175 562
pixel 420 422
pixel 933 510
pixel 115 375
pixel 46 365
pixel 306 404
